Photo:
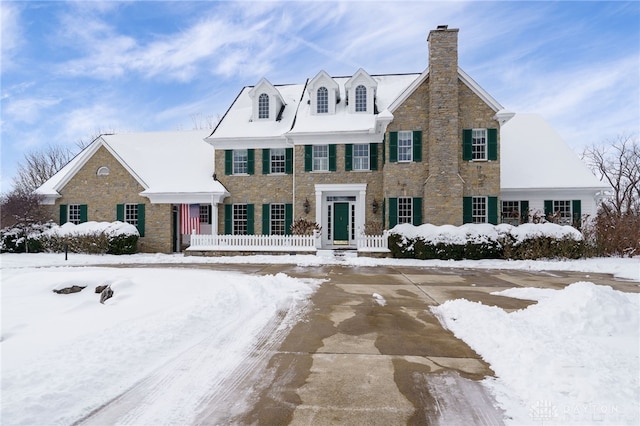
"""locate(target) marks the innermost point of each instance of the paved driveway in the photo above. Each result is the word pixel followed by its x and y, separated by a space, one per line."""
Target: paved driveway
pixel 368 350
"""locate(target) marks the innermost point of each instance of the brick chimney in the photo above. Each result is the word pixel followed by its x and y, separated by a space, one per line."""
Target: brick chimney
pixel 443 191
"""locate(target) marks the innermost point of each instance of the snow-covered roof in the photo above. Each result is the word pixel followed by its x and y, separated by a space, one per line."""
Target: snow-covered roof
pixel 172 167
pixel 237 123
pixel 534 156
pixel 389 88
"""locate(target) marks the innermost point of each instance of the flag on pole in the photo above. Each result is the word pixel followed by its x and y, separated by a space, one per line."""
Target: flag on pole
pixel 189 218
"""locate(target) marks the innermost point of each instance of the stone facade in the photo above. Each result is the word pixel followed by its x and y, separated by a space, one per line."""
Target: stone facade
pixel 101 194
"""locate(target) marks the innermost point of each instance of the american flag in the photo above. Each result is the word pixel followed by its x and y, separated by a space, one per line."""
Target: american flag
pixel 190 218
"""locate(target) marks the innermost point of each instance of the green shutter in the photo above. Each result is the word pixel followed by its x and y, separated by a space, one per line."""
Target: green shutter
pixel 467 209
pixel 83 213
pixel 492 210
pixel 288 218
pixel 576 209
pixel 228 162
pixel 348 157
pixel 417 146
pixel 332 158
pixel 266 212
pixel 417 211
pixel 250 219
pixel 524 211
pixel 393 212
pixel 228 219
pixel 120 212
pixel 251 161
pixel 266 161
pixel 393 147
pixel 63 214
pixel 492 136
pixel 141 219
pixel 288 158
pixel 548 208
pixel 467 152
pixel 308 158
pixel 373 156
pixel 384 149
pixel 384 211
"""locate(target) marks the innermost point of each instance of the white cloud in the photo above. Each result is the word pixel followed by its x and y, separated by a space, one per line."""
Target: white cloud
pixel 27 110
pixel 11 35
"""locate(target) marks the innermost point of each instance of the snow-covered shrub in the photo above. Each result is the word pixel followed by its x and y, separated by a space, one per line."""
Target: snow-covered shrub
pixel 23 237
pixel 485 241
pixel 92 237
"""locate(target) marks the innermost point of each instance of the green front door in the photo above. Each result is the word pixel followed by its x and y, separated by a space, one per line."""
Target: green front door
pixel 341 223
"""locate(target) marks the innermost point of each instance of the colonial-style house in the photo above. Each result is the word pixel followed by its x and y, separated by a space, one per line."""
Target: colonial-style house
pixel 355 154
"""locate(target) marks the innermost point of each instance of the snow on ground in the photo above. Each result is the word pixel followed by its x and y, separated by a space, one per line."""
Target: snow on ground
pixel 66 355
pixel 571 358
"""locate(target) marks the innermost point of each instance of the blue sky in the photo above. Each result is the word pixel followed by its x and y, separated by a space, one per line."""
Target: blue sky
pixel 73 69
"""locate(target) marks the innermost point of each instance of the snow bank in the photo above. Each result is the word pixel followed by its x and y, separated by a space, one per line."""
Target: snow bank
pixel 572 358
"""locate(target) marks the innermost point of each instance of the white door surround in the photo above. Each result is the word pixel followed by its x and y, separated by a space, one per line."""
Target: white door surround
pixel 326 196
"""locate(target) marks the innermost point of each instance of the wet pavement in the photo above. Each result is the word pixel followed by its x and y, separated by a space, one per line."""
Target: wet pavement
pixel 368 351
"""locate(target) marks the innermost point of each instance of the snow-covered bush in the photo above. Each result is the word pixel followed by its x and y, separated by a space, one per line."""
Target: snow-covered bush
pixel 91 237
pixel 23 237
pixel 485 241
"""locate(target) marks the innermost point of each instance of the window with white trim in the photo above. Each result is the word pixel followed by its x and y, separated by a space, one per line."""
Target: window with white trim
pixel 263 106
pixel 322 100
pixel 277 216
pixel 240 161
pixel 73 213
pixel 320 158
pixel 204 213
pixel 511 212
pixel 239 219
pixel 479 144
pixel 278 160
pixel 361 98
pixel 405 210
pixel 479 209
pixel 562 211
pixel 361 156
pixel 405 146
pixel 131 214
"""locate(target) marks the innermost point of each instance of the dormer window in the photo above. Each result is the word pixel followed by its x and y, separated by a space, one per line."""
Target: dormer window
pixel 322 100
pixel 263 106
pixel 361 98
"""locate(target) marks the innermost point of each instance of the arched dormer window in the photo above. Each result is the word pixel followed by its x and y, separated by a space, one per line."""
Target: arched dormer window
pixel 322 100
pixel 361 98
pixel 263 106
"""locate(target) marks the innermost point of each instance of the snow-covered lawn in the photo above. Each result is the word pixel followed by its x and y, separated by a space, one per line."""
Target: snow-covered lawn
pixel 573 358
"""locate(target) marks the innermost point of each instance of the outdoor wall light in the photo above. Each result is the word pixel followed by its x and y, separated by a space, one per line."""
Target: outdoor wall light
pixel 374 206
pixel 307 206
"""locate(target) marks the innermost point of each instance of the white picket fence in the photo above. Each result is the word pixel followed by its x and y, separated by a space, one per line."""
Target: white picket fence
pixel 290 243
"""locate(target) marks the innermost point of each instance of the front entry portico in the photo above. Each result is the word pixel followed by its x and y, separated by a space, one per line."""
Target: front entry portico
pixel 340 211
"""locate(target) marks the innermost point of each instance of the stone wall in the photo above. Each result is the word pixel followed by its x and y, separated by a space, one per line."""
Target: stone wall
pixel 101 194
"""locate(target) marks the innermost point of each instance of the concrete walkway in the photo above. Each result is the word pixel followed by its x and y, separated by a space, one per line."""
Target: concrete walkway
pixel 369 351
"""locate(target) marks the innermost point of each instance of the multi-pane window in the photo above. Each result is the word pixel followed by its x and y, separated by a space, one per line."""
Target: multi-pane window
pixel 320 157
pixel 405 210
pixel 511 212
pixel 204 213
pixel 131 214
pixel 74 213
pixel 361 157
pixel 278 158
pixel 322 100
pixel 277 216
pixel 263 106
pixel 361 98
pixel 239 219
pixel 240 161
pixel 562 210
pixel 479 209
pixel 405 146
pixel 479 144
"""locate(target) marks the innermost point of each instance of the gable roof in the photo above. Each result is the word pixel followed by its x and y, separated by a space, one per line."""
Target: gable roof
pixel 534 156
pixel 172 167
